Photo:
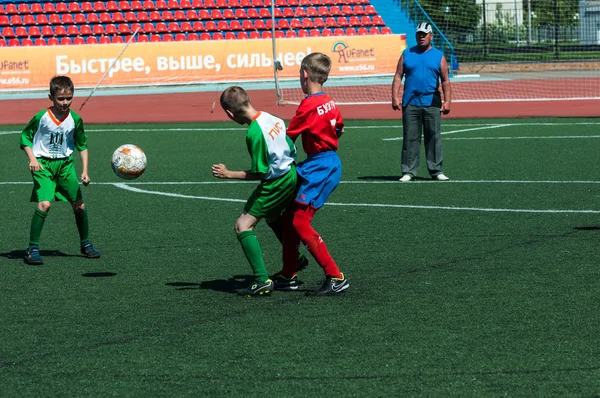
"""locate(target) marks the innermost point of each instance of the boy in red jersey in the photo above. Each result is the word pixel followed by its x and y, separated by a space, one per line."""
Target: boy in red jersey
pixel 320 124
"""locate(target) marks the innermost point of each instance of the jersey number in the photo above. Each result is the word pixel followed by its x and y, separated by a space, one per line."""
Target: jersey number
pixel 56 138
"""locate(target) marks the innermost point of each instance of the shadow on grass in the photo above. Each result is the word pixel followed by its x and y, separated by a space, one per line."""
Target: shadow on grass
pixel 98 274
pixel 379 178
pixel 20 254
pixel 588 228
pixel 231 285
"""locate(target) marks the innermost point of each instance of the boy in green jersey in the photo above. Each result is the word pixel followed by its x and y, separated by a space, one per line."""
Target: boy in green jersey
pixel 49 140
pixel 272 156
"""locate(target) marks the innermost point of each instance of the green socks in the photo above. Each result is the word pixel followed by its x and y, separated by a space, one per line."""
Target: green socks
pixel 253 253
pixel 81 219
pixel 37 223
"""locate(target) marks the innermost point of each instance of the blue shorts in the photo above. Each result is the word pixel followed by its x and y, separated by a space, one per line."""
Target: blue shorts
pixel 319 175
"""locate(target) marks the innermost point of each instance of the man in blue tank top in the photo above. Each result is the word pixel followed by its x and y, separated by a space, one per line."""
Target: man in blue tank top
pixel 422 67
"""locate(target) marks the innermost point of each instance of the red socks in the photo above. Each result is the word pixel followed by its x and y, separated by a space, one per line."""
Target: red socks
pixel 297 228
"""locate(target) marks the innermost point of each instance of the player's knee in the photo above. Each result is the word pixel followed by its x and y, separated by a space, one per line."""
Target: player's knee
pixel 241 227
pixel 78 207
pixel 44 206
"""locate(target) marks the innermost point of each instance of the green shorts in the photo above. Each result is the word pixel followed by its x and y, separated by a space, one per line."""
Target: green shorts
pixel 272 197
pixel 57 181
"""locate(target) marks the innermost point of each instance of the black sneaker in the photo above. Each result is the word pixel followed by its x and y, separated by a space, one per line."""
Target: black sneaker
pixel 88 250
pixel 331 287
pixel 257 289
pixel 302 263
pixel 32 256
pixel 283 283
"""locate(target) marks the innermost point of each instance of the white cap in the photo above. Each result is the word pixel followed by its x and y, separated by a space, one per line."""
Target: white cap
pixel 424 27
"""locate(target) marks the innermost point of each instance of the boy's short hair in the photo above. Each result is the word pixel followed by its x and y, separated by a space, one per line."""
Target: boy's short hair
pixel 235 99
pixel 58 83
pixel 318 66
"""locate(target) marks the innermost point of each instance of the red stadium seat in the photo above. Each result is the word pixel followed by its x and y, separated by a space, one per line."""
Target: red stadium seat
pixel 223 26
pixel 186 27
pixel 174 27
pixel 149 28
pixel 53 41
pixel 110 29
pixel 326 32
pixel 72 30
pixel 291 34
pixel 335 11
pixel 80 18
pixel 295 23
pixel 247 25
pixel 78 40
pixel 358 10
pixel 154 38
pixel 161 27
pixel 303 33
pixel 185 4
pixel 314 33
pixel 36 8
pixel 142 39
pixel 87 6
pixel 92 18
pixel 48 8
pixel 104 40
pixel 168 37
pixel 173 4
pixel 54 19
pixel 161 5
pixel 218 36
pixel 300 12
pixel 203 15
pixel 221 4
pixel 136 5
pixel 216 14
pixel 191 15
pixel 230 36
pixel 307 23
pixel 167 16
pixel 4 21
pixel 347 10
pixel 193 37
pixel 149 5
pixel 60 31
pixel 118 17
pixel 23 8
pixel 112 6
pixel 283 24
pixel 116 39
pixel 266 34
pixel 205 36
pixel 264 13
pixel 105 17
pixel 242 36
pixel 235 25
pixel 277 13
pixel 386 31
pixel 98 30
pixel 260 24
pixel 47 31
pixel 305 3
pixel 136 27
pixel 343 22
pixel 42 19
pixel 199 27
pixel 210 4
pixel 288 12
pixel 14 43
pixel 281 3
pixel 254 35
pixel 67 19
pixel 362 31
pixel 98 6
pixel 240 13
pixel 197 4
pixel 142 16
pixel 130 17
pixel 40 42
pixel 16 20
pixel 350 32
pixel 312 12
pixel 179 15
pixel 233 3
pixel 123 29
pixel 85 30
pixel 354 21
pixel 338 32
pixel 180 37
pixel 377 20
pixel 34 31
pixel 74 7
pixel 319 23
pixel 211 26
pixel 91 40
pixel 253 13
pixel 293 3
pixel 21 31
pixel 374 31
pixel 155 16
pixel 66 41
pixel 279 34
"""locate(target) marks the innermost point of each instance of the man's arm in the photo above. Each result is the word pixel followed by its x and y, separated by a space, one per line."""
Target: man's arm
pixel 396 100
pixel 446 88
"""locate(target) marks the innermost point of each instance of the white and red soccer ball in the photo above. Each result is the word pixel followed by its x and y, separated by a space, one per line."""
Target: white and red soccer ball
pixel 129 161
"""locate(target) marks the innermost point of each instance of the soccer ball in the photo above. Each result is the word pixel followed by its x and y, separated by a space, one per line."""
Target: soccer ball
pixel 129 161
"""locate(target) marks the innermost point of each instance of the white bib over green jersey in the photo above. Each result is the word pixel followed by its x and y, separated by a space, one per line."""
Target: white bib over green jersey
pixel 52 138
pixel 271 150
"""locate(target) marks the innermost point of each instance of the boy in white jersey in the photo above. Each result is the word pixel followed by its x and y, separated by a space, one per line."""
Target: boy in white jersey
pixel 272 156
pixel 49 141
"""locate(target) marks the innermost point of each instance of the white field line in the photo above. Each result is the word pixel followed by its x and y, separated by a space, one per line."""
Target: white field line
pixel 341 182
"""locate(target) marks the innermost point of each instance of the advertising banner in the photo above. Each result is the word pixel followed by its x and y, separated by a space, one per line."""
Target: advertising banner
pixel 194 61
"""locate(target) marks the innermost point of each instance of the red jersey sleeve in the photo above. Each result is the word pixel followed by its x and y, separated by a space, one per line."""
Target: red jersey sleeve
pixel 297 125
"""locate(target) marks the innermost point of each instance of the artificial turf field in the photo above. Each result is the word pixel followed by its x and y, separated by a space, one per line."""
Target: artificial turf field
pixel 486 285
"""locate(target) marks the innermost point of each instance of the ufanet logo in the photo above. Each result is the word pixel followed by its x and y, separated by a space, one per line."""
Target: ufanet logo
pixel 347 54
pixel 14 65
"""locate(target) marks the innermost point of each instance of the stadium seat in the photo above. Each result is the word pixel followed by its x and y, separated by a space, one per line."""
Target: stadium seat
pixel 247 25
pixel 4 21
pixel 266 34
pixel 173 4
pixel 370 10
pixel 338 32
pixel 211 26
pixel 203 15
pixel 60 31
pixel 358 10
pixel 216 14
pixel 142 39
pixel 42 19
pixel 80 18
pixel 23 8
pixel 168 37
pixel 343 22
pixel 288 12
pixel 154 38
pixel 98 30
pixel 303 33
pixel 104 40
pixel 105 17
pixel 218 36
pixel 141 16
pixel 53 41
pixel 149 28
pixel 386 31
pixel 235 25
pixel 307 23
pixel 335 11
pixel 354 21
pixel 136 5
pixel 312 12
pixel 14 43
pixel 362 31
pixel 205 36
pixel 347 10
pixel 233 3
pixel 283 24
pixel 260 24
pixel 222 4
pixel 295 23
pixel 47 31
pixel 92 18
pixel 240 13
pixel 21 31
pixel 230 36
pixel 161 5
pixel 123 29
pixel 365 20
pixel 174 27
pixel 34 31
pixel 48 8
pixel 116 39
pixel 253 13
pixel 78 40
pixel 167 16
pixel 67 19
pixel 179 15
pixel 54 19
pixel 85 30
pixel 72 30
pixel 323 11
pixel 136 26
pixel 291 34
pixel 277 13
pixel 293 3
pixel 36 8
pixel 279 34
pixel 197 4
pixel 180 37
pixel 281 3
pixel 130 17
pixel 374 31
pixel 117 17
pixel 199 26
pixel 186 26
pixel 319 22
pixel 264 13
pixel 112 6
pixel 87 6
pixel 98 6
pixel 326 32
pixel 40 42
pixel 314 33
pixel 331 22
pixel 110 29
pixel 16 20
pixel 242 36
pixel 193 37
pixel 377 20
pixel 66 41
pixel 154 16
pixel 210 4
pixel 350 32
pixel 185 4
pixel 299 12
pixel 161 27
pixel 223 26
pixel 191 15
pixel 148 5
pixel 254 35
pixel 74 7
pixel 91 40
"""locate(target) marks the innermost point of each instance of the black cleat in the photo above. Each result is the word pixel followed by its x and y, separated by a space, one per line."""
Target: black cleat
pixel 32 256
pixel 302 263
pixel 88 250
pixel 257 289
pixel 283 283
pixel 331 287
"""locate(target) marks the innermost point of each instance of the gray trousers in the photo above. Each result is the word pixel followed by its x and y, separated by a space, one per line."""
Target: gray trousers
pixel 417 119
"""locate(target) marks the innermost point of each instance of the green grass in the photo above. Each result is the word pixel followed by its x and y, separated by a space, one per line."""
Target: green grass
pixel 448 297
